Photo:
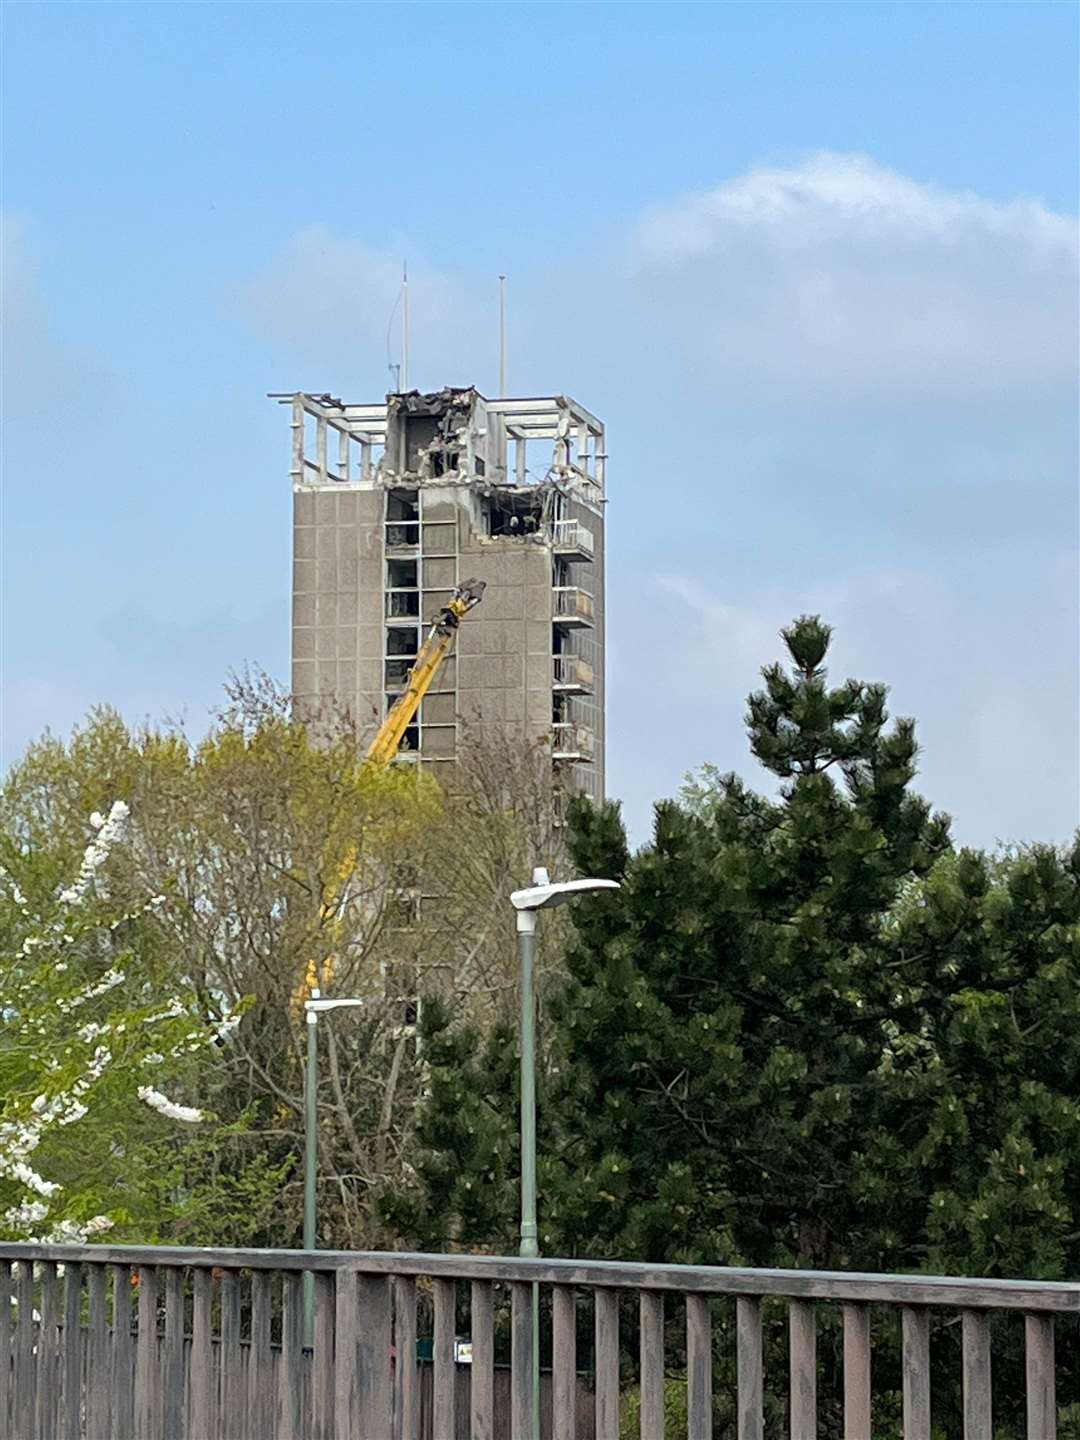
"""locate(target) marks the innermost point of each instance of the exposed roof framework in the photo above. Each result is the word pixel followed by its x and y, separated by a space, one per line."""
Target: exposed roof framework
pixel 575 435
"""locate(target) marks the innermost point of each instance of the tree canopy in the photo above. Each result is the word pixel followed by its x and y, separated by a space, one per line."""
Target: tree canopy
pixel 807 1030
pixel 252 864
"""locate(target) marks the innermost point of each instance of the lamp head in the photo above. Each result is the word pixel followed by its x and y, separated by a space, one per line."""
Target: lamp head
pixel 319 1007
pixel 545 896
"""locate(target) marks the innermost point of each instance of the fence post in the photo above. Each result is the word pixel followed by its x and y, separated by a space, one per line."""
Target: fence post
pixel 1041 1404
pixel 482 1372
pixel 751 1377
pixel 346 1370
pixel 803 1337
pixel 857 1372
pixel 373 1357
pixel 976 1346
pixel 699 1367
pixel 98 1368
pixel 652 1365
pixel 521 1368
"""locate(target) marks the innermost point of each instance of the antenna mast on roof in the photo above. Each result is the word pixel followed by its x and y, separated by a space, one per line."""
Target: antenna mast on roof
pixel 502 335
pixel 404 325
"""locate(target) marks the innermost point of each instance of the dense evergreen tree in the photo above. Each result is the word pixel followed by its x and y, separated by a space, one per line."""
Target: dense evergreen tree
pixel 806 1031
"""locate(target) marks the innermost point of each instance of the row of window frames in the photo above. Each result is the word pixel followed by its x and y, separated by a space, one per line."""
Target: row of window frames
pixel 405 604
pixel 403 642
pixel 403 520
pixel 393 695
pixel 565 709
pixel 410 740
pixel 405 574
pixel 402 590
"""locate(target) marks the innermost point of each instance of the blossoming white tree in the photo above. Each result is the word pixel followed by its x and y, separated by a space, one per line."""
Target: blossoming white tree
pixel 84 1040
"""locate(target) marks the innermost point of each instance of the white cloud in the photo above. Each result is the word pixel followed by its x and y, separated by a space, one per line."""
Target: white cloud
pixel 838 273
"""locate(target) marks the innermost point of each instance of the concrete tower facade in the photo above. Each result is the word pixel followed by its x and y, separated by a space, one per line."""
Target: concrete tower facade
pixel 396 503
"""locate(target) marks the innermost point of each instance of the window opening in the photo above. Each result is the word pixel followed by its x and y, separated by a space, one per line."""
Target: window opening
pixel 402 640
pixel 403 505
pixel 404 604
pixel 410 740
pixel 514 513
pixel 402 518
pixel 401 575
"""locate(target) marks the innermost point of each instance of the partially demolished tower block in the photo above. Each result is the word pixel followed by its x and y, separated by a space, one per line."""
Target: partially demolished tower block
pixel 395 504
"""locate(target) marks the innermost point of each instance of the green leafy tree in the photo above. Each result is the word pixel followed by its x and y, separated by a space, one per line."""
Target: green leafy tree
pixel 277 859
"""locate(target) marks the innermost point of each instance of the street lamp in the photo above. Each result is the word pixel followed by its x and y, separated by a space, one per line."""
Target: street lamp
pixel 313 1008
pixel 540 895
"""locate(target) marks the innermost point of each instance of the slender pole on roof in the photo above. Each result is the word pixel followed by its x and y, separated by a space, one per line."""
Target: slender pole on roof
pixel 404 325
pixel 502 335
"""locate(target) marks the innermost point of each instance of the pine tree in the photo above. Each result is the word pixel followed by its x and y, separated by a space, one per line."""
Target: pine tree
pixel 805 1031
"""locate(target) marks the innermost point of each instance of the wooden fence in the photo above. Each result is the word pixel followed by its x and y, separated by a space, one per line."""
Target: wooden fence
pixel 124 1343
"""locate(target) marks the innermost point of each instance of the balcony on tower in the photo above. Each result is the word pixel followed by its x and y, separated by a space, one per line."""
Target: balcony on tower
pixel 572 675
pixel 573 540
pixel 572 606
pixel 571 741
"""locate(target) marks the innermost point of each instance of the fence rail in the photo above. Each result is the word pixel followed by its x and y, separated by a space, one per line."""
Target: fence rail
pixel 111 1342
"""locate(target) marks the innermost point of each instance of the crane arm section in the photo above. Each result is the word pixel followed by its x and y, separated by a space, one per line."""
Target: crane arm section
pixel 432 653
pixel 384 747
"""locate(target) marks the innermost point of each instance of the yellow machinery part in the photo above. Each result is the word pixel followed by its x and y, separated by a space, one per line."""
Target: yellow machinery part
pixel 385 745
pixel 424 670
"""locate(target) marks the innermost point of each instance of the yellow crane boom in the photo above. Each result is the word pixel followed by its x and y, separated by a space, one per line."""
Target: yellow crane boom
pixel 384 747
pixel 425 667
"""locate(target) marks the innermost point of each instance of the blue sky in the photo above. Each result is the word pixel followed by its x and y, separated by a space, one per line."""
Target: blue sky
pixel 815 266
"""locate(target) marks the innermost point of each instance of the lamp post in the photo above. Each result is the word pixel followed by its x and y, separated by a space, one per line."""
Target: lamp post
pixel 541 895
pixel 313 1008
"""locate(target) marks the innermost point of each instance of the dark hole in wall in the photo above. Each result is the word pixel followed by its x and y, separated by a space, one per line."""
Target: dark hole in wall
pixel 403 505
pixel 511 512
pixel 428 434
pixel 420 431
pixel 444 461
